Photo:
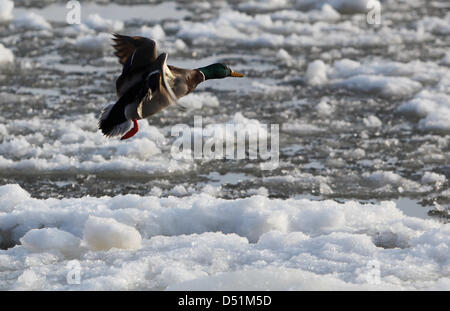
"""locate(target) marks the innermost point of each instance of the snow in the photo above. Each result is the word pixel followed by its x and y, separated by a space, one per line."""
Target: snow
pixel 148 152
pixel 156 33
pixel 51 239
pixel 6 9
pixel 6 55
pixel 32 21
pixel 372 121
pixel 324 109
pixel 300 128
pixel 326 13
pixel 386 180
pixel 388 86
pixel 343 6
pixel 435 24
pixel 446 59
pixel 202 242
pixel 10 196
pixel 93 43
pixel 364 118
pixel 198 100
pixel 385 78
pixel 262 5
pixel 316 74
pixel 99 23
pixel 322 27
pixel 432 107
pixel 433 178
pixel 106 233
pixel 29 280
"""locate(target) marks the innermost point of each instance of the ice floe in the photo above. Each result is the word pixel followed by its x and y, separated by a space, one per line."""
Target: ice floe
pixel 363 114
pixel 344 6
pixel 156 32
pixel 93 43
pixel 51 240
pixel 6 10
pixel 32 21
pixel 380 77
pixel 106 233
pixel 99 23
pixel 6 55
pixel 432 107
pixel 195 241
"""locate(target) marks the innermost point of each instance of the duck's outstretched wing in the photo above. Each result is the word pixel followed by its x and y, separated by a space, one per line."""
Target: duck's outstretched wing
pixel 139 50
pixel 160 94
pixel 136 54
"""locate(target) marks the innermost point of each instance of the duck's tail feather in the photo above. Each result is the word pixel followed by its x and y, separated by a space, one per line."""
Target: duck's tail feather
pixel 113 122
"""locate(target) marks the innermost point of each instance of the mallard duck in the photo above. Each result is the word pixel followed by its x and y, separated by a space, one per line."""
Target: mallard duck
pixel 147 84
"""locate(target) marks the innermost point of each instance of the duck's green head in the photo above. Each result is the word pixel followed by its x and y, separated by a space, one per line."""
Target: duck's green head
pixel 219 71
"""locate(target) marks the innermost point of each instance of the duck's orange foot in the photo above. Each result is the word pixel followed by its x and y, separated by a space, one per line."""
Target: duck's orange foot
pixel 131 132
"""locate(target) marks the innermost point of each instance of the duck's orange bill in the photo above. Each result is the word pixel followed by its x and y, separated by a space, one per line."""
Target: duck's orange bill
pixel 131 132
pixel 236 74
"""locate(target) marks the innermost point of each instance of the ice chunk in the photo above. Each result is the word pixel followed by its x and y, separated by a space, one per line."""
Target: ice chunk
pixel 269 280
pixel 433 178
pixel 106 233
pixel 10 196
pixel 156 33
pixel 51 239
pixel 387 79
pixel 6 55
pixel 433 107
pixel 198 100
pixel 30 280
pixel 32 21
pixel 6 9
pixel 372 121
pixel 92 43
pixel 316 74
pixel 97 22
pixel 343 6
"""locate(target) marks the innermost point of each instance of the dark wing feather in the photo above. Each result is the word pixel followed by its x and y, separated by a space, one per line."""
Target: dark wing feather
pixel 144 49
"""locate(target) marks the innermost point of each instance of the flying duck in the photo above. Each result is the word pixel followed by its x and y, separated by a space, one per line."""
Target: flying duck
pixel 147 84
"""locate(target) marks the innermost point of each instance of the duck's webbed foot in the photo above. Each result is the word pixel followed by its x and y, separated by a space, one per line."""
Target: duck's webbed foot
pixel 131 132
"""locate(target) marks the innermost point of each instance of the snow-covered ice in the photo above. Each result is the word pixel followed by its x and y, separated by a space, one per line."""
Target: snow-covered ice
pixel 93 43
pixel 6 10
pixel 97 22
pixel 32 21
pixel 6 55
pixel 202 242
pixel 106 233
pixel 363 175
pixel 433 108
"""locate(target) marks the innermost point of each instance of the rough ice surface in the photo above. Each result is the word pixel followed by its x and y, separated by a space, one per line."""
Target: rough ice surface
pixel 363 173
pixel 203 242
pixel 32 21
pixel 156 32
pixel 345 6
pixel 97 22
pixel 6 55
pixel 6 9
pixel 49 240
pixel 106 233
pixel 93 43
pixel 432 107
